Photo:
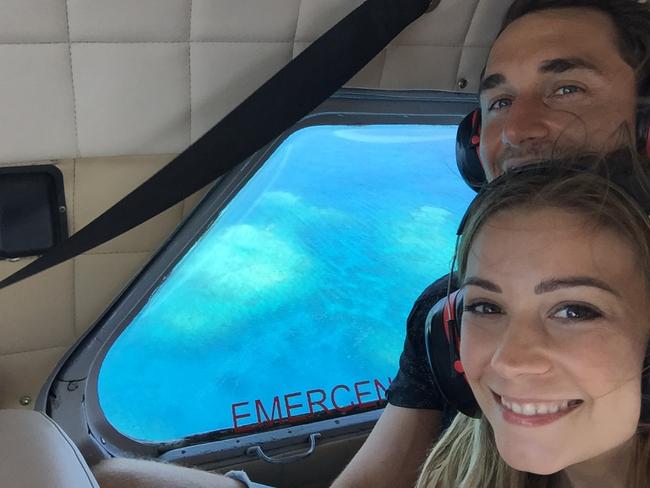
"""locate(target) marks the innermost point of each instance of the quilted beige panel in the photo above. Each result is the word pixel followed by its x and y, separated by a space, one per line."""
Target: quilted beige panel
pixel 225 73
pixel 23 375
pixel 98 280
pixel 37 313
pixel 244 20
pixel 37 103
pixel 132 98
pixel 482 32
pixel 417 67
pixel 129 20
pixel 100 182
pixel 445 26
pixel 33 21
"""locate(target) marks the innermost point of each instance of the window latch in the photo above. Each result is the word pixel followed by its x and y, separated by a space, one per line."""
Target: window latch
pixel 257 451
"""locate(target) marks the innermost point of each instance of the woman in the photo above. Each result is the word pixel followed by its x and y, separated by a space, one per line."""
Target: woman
pixel 555 270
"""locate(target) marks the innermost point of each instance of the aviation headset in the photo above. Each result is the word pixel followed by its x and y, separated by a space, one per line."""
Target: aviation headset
pixel 443 323
pixel 468 141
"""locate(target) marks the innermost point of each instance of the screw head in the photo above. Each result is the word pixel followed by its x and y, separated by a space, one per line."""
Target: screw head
pixel 462 83
pixel 25 400
pixel 62 209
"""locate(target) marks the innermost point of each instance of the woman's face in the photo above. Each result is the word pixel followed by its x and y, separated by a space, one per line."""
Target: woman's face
pixel 555 326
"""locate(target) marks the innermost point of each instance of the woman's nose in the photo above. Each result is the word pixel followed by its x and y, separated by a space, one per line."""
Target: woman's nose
pixel 522 350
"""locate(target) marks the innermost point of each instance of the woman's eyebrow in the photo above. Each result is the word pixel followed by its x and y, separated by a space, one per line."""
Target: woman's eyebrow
pixel 573 281
pixel 476 281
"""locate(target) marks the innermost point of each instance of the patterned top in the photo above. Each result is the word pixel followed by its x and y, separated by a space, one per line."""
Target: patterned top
pixel 414 387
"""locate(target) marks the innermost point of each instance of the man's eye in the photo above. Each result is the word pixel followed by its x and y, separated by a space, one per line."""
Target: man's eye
pixel 499 104
pixel 567 90
pixel 482 308
pixel 577 312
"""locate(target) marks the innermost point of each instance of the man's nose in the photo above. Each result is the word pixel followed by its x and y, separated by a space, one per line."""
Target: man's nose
pixel 527 121
pixel 522 350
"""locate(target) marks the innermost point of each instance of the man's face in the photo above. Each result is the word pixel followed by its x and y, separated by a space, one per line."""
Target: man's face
pixel 554 85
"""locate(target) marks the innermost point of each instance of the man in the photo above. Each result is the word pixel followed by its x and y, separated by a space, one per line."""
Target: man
pixel 560 78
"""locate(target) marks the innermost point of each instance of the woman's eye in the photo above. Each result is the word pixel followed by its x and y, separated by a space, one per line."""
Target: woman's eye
pixel 482 308
pixel 576 312
pixel 567 90
pixel 499 104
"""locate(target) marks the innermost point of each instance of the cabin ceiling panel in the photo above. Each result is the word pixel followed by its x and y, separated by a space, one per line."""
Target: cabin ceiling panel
pixel 420 67
pixel 447 25
pixel 244 20
pixel 318 16
pixel 129 20
pixel 37 102
pixel 101 182
pixel 37 313
pixel 33 21
pixel 132 98
pixel 486 23
pixel 224 73
pixel 150 76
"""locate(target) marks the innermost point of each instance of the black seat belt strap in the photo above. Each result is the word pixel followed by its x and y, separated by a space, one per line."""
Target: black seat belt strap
pixel 297 89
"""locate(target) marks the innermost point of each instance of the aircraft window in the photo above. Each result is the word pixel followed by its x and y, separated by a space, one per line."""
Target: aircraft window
pixel 291 307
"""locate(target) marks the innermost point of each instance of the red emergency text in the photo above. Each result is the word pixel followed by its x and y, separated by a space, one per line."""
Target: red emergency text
pixel 294 406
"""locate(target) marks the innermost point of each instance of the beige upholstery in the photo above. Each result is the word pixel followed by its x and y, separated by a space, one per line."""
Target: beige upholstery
pixel 35 452
pixel 111 90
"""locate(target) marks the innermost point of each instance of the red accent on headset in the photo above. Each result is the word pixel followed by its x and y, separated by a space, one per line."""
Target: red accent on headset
pixel 476 135
pixel 448 314
pixel 458 366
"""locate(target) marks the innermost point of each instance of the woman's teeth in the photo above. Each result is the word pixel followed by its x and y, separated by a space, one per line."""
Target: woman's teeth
pixel 531 409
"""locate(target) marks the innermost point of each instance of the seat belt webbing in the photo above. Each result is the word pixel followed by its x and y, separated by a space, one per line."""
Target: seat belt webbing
pixel 293 92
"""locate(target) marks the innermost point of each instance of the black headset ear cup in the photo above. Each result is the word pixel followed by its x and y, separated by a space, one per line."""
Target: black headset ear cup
pixel 443 355
pixel 468 139
pixel 643 130
pixel 644 420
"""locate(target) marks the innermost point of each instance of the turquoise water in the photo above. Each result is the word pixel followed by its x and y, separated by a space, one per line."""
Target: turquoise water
pixel 294 301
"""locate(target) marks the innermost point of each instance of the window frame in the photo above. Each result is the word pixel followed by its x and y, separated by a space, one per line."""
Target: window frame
pixel 70 395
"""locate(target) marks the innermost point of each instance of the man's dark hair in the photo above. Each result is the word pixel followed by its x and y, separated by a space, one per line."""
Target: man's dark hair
pixel 632 21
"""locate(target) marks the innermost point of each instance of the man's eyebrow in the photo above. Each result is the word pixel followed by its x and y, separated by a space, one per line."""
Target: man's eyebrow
pixel 491 82
pixel 561 65
pixel 572 281
pixel 557 65
pixel 476 281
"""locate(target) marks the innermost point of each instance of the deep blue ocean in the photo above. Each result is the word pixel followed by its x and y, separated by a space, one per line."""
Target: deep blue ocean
pixel 300 290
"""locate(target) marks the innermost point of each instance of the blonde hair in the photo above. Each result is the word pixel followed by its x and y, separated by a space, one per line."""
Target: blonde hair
pixel 466 455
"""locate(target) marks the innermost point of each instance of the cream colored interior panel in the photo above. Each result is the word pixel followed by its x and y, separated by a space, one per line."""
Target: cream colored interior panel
pixel 37 312
pixel 132 98
pixel 101 182
pixel 23 374
pixel 98 280
pixel 129 20
pixel 318 16
pixel 37 103
pixel 226 72
pixel 446 26
pixel 244 20
pixel 33 21
pixel 413 66
pixel 129 77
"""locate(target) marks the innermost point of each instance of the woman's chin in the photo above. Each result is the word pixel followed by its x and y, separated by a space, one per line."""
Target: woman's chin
pixel 536 461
